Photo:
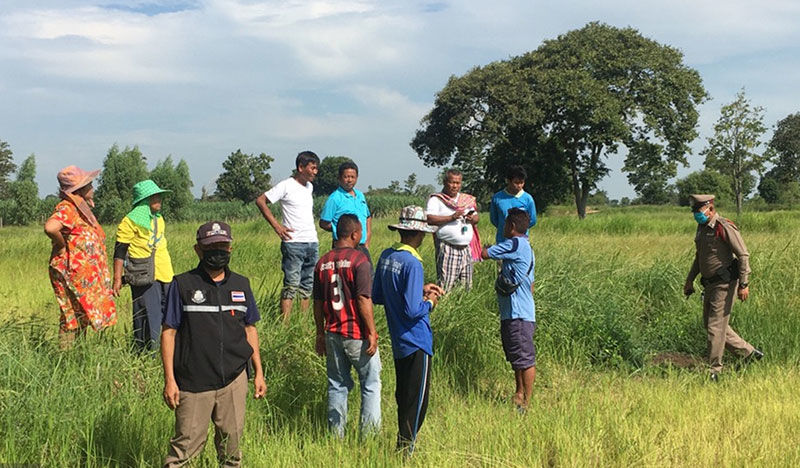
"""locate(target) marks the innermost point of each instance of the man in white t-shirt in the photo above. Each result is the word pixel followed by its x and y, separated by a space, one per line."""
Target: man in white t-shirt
pixel 299 243
pixel 455 214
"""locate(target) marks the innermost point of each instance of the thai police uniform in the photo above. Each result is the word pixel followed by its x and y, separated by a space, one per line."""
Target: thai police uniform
pixel 722 260
pixel 210 362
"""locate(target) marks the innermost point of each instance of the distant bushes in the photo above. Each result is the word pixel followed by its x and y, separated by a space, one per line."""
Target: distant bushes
pixel 203 210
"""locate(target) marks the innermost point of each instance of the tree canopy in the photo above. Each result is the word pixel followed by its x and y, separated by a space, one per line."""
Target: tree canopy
pixel 122 169
pixel 705 181
pixel 564 108
pixel 245 177
pixel 732 150
pixel 173 177
pixel 327 179
pixel 7 167
pixel 24 192
pixel 785 145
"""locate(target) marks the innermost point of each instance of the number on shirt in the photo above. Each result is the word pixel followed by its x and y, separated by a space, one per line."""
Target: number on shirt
pixel 336 293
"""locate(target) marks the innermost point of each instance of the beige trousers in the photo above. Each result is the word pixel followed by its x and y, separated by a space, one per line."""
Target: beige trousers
pixel 717 305
pixel 225 407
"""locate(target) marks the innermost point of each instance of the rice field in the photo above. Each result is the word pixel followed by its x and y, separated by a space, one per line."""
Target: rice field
pixel 620 376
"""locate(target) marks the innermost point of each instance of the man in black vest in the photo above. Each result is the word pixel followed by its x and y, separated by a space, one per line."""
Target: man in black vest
pixel 208 337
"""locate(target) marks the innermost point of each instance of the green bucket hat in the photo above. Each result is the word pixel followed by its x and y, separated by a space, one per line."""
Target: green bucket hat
pixel 146 189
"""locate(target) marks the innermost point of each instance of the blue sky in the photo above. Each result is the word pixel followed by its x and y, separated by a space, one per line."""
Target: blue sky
pixel 200 79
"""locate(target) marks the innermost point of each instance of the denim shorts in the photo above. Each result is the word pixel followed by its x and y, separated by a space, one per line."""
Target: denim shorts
pixel 517 337
pixel 299 259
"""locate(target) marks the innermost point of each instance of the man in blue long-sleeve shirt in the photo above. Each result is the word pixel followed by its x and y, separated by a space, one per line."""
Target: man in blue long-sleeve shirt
pixel 513 196
pixel 399 286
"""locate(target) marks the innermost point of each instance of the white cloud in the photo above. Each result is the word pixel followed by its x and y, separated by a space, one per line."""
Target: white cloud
pixel 383 100
pixel 331 39
pixel 348 77
pixel 97 25
pixel 96 44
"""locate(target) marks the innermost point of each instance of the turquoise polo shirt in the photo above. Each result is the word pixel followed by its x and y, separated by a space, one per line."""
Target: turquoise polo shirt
pixel 503 201
pixel 340 202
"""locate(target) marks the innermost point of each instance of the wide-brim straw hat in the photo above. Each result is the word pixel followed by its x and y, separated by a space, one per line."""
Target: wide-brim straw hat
pixel 146 189
pixel 412 218
pixel 72 178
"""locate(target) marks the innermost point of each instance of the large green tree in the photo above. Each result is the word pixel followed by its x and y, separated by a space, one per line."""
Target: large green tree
pixel 245 177
pixel 733 149
pixel 785 146
pixel 564 108
pixel 176 178
pixel 779 184
pixel 328 175
pixel 121 170
pixel 7 167
pixel 24 193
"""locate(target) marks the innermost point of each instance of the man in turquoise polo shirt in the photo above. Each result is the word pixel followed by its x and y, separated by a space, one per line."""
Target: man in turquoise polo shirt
pixel 513 196
pixel 346 199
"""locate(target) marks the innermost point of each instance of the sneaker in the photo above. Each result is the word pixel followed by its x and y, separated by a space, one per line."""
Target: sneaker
pixel 757 354
pixel 714 377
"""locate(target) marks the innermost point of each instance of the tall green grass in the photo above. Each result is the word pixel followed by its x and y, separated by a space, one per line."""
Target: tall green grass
pixel 608 296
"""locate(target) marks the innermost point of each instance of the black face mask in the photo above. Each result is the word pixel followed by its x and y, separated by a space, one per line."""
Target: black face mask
pixel 216 259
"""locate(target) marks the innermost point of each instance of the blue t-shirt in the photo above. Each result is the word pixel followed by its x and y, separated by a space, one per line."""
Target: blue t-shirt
pixel 341 202
pixel 503 201
pixel 398 286
pixel 517 256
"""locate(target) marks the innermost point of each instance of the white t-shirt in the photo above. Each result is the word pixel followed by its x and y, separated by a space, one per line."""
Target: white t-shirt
pixel 297 207
pixel 458 232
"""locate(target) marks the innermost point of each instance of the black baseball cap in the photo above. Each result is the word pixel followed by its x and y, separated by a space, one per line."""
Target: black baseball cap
pixel 213 232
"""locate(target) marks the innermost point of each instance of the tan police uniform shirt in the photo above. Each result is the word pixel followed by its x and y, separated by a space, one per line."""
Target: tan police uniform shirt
pixel 717 251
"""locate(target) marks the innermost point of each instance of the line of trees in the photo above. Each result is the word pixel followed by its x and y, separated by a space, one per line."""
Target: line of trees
pixel 244 176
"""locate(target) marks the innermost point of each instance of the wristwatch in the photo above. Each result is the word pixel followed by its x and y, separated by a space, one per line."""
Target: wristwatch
pixel 743 285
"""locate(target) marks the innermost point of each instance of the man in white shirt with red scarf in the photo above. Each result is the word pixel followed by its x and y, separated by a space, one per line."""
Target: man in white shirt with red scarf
pixel 456 240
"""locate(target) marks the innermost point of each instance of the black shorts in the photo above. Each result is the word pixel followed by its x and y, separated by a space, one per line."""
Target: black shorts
pixel 517 337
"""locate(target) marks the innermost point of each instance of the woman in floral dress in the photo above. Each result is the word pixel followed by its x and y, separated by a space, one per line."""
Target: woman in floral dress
pixel 78 263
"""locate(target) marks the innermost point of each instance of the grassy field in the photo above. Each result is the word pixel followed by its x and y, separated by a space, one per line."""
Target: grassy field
pixel 611 319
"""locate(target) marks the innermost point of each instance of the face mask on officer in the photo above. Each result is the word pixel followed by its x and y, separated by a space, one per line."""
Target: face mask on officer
pixel 700 216
pixel 215 259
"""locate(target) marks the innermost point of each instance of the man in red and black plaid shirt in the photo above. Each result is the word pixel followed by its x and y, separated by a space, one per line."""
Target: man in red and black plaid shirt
pixel 346 328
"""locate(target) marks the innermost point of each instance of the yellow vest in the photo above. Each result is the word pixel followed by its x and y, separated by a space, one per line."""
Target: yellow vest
pixel 139 241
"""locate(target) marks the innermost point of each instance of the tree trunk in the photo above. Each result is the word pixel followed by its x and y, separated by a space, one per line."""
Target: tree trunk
pixel 580 201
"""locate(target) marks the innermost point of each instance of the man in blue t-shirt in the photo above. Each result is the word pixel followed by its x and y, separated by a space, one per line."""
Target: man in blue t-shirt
pixel 346 199
pixel 513 196
pixel 398 285
pixel 517 309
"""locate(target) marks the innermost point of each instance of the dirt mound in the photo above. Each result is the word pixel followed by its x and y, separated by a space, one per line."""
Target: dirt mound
pixel 682 360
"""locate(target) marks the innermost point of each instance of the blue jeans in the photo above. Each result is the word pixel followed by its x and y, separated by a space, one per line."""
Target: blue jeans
pixel 342 354
pixel 299 259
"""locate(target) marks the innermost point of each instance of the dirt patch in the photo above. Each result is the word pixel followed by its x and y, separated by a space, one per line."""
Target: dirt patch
pixel 681 360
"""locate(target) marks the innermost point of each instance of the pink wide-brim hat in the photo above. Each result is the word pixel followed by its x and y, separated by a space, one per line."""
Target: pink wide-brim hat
pixel 71 178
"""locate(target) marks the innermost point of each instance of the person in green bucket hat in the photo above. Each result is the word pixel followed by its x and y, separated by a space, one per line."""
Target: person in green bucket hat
pixel 141 259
